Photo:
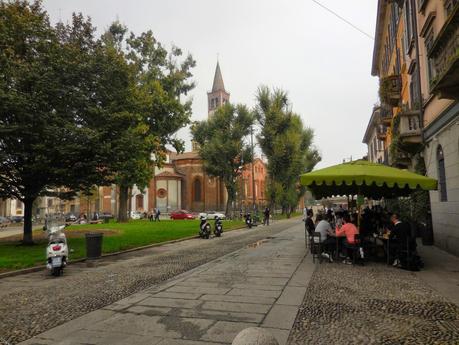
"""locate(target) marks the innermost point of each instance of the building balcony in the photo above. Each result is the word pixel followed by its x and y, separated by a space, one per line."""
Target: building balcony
pixel 409 128
pixel 445 55
pixel 385 116
pixel 390 90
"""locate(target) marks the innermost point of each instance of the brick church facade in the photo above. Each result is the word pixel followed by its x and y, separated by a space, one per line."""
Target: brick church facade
pixel 182 182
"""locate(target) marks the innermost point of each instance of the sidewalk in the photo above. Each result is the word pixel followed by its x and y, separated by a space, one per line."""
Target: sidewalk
pixel 261 285
pixel 441 271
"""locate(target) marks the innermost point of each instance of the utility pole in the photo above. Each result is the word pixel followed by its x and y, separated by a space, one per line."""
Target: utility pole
pixel 253 168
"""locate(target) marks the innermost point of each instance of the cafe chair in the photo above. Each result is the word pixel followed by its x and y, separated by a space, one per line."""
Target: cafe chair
pixel 356 250
pixel 316 246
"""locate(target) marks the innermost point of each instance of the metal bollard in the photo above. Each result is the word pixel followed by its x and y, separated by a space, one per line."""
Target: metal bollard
pixel 255 336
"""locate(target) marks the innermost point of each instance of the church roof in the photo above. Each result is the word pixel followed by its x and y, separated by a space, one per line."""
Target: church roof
pixel 218 80
pixel 185 155
pixel 169 174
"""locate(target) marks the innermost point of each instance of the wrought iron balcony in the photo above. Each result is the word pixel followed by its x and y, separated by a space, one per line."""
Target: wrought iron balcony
pixel 390 90
pixel 445 54
pixel 409 128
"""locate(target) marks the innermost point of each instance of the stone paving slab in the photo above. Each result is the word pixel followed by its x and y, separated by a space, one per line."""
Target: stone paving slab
pixel 208 305
pixel 281 317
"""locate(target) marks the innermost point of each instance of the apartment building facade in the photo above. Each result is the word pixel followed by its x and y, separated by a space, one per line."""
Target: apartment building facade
pixel 416 57
pixel 376 134
pixel 438 30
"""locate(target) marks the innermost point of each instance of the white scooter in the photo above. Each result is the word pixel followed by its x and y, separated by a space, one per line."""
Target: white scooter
pixel 57 251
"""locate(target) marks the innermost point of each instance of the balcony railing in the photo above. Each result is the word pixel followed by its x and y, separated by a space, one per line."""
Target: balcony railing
pixel 410 127
pixel 445 55
pixel 385 115
pixel 390 89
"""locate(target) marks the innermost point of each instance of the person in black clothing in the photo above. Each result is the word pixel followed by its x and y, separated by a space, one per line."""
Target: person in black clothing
pixel 399 236
pixel 266 216
pixel 309 223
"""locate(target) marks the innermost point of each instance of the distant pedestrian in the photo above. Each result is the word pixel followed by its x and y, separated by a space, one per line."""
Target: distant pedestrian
pixel 266 216
pixel 151 215
pixel 157 214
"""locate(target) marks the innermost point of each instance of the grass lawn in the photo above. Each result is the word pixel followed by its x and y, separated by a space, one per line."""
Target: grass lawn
pixel 117 237
pixel 279 216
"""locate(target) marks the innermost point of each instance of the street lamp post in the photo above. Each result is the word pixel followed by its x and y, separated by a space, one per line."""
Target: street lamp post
pixel 253 169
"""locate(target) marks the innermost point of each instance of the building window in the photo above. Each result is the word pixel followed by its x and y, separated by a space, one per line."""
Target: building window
pixel 441 174
pixel 414 85
pixel 197 190
pixel 428 41
pixel 139 202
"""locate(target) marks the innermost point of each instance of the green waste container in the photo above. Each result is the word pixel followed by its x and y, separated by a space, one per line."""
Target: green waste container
pixel 94 245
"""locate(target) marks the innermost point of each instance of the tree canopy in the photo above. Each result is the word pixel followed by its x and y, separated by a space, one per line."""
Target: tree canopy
pixel 222 146
pixel 287 145
pixel 78 111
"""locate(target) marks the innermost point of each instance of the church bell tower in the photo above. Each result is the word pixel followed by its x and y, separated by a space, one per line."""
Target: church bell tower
pixel 218 96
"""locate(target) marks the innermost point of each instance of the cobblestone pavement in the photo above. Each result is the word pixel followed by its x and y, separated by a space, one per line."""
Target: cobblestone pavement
pixel 262 284
pixel 374 304
pixel 36 302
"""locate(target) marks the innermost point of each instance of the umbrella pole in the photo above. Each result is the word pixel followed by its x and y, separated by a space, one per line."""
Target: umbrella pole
pixel 359 208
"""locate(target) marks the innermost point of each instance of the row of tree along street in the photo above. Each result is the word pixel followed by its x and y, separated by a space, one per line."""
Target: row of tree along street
pixel 78 110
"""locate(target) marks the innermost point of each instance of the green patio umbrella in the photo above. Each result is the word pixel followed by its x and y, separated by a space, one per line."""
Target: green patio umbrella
pixel 365 178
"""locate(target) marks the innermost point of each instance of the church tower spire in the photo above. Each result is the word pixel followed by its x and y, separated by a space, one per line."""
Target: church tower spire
pixel 218 96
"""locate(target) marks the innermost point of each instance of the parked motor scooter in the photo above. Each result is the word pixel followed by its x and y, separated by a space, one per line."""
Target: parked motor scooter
pixel 204 228
pixel 249 220
pixel 57 252
pixel 218 227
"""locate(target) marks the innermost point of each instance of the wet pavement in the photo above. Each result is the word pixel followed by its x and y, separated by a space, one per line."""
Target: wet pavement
pixel 36 302
pixel 262 285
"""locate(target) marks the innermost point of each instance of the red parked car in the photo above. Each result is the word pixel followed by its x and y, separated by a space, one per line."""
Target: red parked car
pixel 182 214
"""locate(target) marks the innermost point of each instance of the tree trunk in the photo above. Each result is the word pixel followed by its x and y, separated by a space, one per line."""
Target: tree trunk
pixel 129 202
pixel 27 236
pixel 122 209
pixel 230 191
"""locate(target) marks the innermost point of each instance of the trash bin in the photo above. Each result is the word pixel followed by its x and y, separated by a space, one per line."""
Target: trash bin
pixel 94 245
pixel 106 220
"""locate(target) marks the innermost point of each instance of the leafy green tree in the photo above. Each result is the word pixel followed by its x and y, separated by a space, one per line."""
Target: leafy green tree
pixel 221 144
pixel 286 144
pixel 160 81
pixel 45 106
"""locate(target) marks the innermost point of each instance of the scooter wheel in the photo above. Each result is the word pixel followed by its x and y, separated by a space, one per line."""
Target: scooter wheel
pixel 55 272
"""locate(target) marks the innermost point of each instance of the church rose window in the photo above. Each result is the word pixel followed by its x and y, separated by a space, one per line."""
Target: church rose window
pixel 161 193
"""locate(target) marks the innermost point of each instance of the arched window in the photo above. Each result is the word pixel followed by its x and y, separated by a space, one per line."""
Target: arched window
pixel 197 189
pixel 441 174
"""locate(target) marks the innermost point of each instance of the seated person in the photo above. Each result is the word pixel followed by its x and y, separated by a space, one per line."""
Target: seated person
pixel 349 230
pixel 398 237
pixel 325 230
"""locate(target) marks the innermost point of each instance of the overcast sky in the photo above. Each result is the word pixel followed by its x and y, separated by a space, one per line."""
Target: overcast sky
pixel 296 45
